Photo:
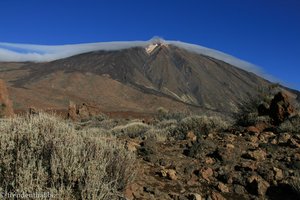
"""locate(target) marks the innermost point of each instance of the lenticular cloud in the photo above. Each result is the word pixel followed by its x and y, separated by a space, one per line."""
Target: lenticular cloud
pixel 10 52
pixel 44 53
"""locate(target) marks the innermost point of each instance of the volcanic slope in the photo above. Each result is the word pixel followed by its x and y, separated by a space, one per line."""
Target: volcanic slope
pixel 134 79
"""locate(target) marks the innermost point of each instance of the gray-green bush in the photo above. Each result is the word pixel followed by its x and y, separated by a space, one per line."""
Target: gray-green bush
pixel 200 125
pixel 132 129
pixel 163 114
pixel 44 154
pixel 291 125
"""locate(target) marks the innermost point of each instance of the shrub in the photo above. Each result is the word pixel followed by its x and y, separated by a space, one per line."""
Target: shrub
pixel 167 123
pixel 44 154
pixel 163 114
pixel 106 124
pixel 156 134
pixel 200 125
pixel 133 129
pixel 100 117
pixel 168 126
pixel 161 130
pixel 247 112
pixel 252 119
pixel 291 125
pixel 92 121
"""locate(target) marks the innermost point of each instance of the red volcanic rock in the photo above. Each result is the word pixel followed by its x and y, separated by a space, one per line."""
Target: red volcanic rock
pixel 280 108
pixel 6 108
pixel 72 111
pixel 82 111
pixel 33 111
pixel 253 130
pixel 257 185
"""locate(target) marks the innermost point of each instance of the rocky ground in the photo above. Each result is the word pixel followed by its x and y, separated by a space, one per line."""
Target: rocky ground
pixel 236 164
pixel 258 161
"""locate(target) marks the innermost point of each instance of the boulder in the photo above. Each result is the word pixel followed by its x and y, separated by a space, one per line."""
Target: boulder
pixel 278 174
pixel 33 111
pixel 6 106
pixel 280 108
pixel 252 139
pixel 194 196
pixel 257 186
pixel 258 155
pixel 230 146
pixel 209 160
pixel 169 173
pixel 72 111
pixel 132 190
pixel 239 189
pixel 82 111
pixel 225 154
pixel 252 130
pixel 293 143
pixel 217 196
pixel 222 187
pixel 246 166
pixel 207 173
pixel 296 156
pixel 264 137
pixel 191 136
pixel 283 138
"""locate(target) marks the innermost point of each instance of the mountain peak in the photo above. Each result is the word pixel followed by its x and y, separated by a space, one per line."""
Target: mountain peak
pixel 172 75
pixel 149 49
pixel 154 44
pixel 157 40
pixel 10 52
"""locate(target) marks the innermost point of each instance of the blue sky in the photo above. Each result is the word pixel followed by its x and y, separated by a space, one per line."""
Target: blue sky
pixel 263 32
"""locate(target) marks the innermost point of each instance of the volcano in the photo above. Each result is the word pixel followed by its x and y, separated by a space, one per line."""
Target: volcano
pixel 137 77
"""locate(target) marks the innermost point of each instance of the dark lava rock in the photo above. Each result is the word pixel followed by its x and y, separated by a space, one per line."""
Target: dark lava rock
pixel 280 108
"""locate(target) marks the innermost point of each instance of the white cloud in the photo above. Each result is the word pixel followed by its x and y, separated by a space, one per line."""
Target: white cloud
pixel 42 53
pixel 10 52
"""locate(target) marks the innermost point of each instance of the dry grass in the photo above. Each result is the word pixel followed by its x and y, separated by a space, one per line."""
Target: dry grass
pixel 45 154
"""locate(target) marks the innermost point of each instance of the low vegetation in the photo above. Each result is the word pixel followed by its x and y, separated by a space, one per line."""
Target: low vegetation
pixel 133 129
pixel 43 153
pixel 84 160
pixel 97 158
pixel 291 125
pixel 199 125
pixel 164 114
pixel 271 106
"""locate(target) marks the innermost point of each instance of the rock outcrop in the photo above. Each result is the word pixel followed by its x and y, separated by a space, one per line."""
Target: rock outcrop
pixel 280 108
pixel 82 111
pixel 6 108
